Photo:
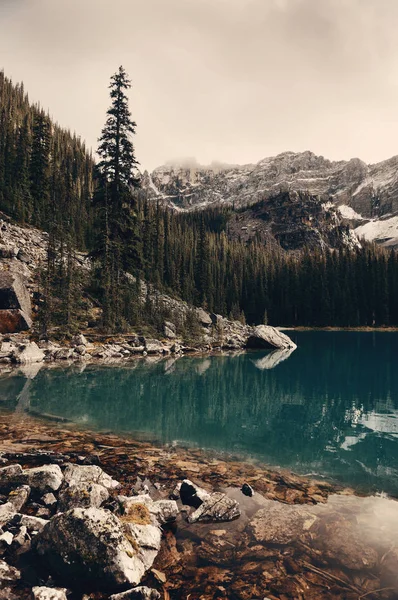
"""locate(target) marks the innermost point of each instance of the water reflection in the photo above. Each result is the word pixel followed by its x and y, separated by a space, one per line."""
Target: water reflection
pixel 329 408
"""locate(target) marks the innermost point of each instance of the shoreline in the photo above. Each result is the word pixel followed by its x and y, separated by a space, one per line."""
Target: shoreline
pixel 286 556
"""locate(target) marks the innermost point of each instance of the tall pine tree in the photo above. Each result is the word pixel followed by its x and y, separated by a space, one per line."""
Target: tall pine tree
pixel 118 248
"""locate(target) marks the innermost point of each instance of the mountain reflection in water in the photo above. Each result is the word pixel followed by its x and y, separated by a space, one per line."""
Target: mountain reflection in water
pixel 328 408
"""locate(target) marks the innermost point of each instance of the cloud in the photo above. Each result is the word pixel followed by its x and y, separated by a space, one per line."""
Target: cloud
pixel 232 80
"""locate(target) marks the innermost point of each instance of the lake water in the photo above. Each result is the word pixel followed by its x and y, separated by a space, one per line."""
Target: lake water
pixel 330 408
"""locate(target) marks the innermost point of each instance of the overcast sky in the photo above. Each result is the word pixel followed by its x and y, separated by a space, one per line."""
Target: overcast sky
pixel 228 80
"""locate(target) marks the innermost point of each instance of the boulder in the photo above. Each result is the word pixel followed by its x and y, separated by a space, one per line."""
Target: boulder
pixel 46 593
pixel 79 340
pixel 88 545
pixel 82 495
pixel 9 477
pixel 265 336
pixel 86 475
pixel 61 353
pixel 191 494
pixel 153 346
pixel 28 353
pixel 216 508
pixel 43 479
pixel 138 593
pixel 203 317
pixel 169 330
pixel 15 306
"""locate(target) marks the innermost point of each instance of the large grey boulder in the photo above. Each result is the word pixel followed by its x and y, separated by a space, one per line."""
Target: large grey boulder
pixel 86 475
pixel 82 495
pixel 28 353
pixel 15 306
pixel 89 544
pixel 169 330
pixel 216 508
pixel 203 317
pixel 153 346
pixel 43 479
pixel 265 336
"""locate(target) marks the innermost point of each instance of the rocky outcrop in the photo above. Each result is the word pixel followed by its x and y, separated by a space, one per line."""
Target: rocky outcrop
pixel 265 336
pixel 15 307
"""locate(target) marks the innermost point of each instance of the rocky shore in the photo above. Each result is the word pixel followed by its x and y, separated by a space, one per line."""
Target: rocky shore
pixel 17 349
pixel 88 516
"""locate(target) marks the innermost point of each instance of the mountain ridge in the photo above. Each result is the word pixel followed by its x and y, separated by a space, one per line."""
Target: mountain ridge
pixel 365 194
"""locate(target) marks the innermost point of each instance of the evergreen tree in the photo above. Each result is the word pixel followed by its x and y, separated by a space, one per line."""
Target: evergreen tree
pixel 119 248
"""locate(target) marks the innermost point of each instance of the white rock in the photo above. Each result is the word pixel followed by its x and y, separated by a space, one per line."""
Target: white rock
pixel 79 475
pixel 46 593
pixel 7 538
pixel 47 478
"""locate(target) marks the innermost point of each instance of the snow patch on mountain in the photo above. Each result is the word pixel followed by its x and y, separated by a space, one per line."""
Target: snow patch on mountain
pixel 347 212
pixel 384 231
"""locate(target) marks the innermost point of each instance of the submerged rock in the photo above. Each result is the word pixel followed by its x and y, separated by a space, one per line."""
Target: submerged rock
pixel 342 542
pixel 265 336
pixel 89 545
pixel 280 524
pixel 216 508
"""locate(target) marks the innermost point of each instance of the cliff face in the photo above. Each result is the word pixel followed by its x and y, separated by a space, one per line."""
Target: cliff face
pixel 362 193
pixel 293 220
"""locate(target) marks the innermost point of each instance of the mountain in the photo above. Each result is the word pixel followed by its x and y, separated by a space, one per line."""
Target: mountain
pixel 365 195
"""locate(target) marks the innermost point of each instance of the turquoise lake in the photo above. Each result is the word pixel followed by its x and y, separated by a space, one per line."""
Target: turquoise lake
pixel 329 408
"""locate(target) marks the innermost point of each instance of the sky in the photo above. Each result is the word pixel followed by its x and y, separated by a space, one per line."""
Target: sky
pixel 226 80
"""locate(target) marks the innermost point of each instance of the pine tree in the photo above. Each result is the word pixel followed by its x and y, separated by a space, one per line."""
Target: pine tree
pixel 119 247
